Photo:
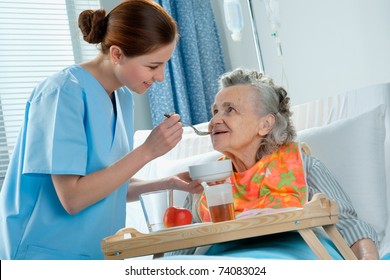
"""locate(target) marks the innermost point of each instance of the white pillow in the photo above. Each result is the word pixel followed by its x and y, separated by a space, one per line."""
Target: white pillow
pixel 353 150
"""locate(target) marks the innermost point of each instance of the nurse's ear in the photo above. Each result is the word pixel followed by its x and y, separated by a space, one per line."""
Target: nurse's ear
pixel 116 54
pixel 266 123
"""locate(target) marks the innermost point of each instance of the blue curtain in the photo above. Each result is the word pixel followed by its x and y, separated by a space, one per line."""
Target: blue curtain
pixel 191 76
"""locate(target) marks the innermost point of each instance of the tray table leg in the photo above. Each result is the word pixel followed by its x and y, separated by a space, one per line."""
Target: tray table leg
pixel 314 243
pixel 340 243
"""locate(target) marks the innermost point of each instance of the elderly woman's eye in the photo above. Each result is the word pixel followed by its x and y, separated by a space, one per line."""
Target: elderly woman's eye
pixel 230 109
pixel 215 112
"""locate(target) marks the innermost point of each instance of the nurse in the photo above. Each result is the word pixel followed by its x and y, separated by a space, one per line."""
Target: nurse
pixel 71 172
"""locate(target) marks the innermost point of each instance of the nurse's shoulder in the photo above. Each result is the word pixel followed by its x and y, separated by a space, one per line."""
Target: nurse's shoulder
pixel 65 81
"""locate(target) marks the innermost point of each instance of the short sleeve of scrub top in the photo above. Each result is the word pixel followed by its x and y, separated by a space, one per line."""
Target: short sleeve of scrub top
pixel 55 135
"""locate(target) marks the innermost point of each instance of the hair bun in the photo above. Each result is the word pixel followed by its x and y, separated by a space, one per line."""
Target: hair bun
pixel 284 101
pixel 93 25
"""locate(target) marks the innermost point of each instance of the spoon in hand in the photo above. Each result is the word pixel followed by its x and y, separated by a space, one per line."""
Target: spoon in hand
pixel 202 133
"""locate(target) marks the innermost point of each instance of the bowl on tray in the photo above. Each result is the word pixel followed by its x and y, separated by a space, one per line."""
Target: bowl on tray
pixel 211 171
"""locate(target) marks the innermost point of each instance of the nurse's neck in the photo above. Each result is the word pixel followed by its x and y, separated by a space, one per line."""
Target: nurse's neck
pixel 101 69
pixel 112 97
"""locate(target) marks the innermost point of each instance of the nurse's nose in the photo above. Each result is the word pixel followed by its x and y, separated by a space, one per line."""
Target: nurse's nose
pixel 159 75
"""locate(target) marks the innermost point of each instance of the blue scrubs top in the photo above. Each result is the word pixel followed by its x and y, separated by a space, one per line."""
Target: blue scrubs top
pixel 70 127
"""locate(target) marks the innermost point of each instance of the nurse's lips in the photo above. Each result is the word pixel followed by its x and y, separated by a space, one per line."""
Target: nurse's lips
pixel 148 85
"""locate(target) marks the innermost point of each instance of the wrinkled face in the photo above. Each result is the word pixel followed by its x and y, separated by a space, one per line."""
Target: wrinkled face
pixel 236 127
pixel 139 73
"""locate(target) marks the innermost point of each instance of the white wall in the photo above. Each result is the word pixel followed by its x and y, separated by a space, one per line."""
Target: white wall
pixel 237 54
pixel 329 46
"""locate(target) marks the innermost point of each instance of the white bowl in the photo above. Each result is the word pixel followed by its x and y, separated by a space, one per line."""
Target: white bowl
pixel 211 171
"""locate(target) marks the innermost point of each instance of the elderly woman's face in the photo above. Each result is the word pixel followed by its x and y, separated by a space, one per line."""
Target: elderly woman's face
pixel 235 126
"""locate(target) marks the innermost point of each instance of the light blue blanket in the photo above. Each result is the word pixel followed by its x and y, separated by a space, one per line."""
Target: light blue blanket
pixel 282 246
pixel 386 257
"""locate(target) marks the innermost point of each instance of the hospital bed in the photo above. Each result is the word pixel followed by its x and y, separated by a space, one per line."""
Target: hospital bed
pixel 347 132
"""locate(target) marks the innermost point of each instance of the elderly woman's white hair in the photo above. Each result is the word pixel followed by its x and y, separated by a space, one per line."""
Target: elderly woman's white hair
pixel 271 99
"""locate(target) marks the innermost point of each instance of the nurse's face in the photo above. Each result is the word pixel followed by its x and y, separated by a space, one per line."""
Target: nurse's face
pixel 139 73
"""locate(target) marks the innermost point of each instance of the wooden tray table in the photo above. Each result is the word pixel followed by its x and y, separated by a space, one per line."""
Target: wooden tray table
pixel 319 212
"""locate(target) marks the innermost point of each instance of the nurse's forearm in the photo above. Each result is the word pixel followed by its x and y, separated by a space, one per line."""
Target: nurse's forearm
pixel 136 187
pixel 78 192
pixel 180 181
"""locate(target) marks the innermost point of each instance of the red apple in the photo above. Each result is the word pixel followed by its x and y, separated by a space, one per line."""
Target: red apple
pixel 176 216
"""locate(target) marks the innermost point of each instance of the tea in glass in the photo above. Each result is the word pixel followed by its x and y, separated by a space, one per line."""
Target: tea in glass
pixel 223 212
pixel 220 202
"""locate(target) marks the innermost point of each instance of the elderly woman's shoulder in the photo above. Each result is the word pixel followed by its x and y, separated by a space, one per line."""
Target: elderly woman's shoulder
pixel 312 164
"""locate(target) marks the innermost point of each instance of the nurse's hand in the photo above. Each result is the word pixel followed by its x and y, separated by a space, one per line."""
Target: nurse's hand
pixel 164 137
pixel 183 182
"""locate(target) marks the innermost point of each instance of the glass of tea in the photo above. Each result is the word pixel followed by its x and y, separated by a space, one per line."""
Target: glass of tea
pixel 220 202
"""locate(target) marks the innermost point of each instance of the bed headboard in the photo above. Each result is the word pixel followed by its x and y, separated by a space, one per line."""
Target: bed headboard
pixel 347 105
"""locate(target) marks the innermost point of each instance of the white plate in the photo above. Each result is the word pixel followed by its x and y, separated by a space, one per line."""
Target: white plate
pixel 184 226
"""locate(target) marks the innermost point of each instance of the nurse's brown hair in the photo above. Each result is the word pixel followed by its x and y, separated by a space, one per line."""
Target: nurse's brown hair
pixel 137 27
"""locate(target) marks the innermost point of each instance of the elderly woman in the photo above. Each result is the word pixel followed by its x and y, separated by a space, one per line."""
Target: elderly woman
pixel 251 126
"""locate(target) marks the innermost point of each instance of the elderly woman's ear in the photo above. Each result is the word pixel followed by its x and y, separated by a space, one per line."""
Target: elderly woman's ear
pixel 266 124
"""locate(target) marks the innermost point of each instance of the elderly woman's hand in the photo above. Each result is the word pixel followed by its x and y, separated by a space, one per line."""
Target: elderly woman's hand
pixel 365 249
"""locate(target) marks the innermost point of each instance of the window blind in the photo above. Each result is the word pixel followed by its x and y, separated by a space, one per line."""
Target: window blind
pixel 37 39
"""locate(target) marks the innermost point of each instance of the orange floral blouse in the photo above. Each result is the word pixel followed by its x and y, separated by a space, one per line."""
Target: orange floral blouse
pixel 275 181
